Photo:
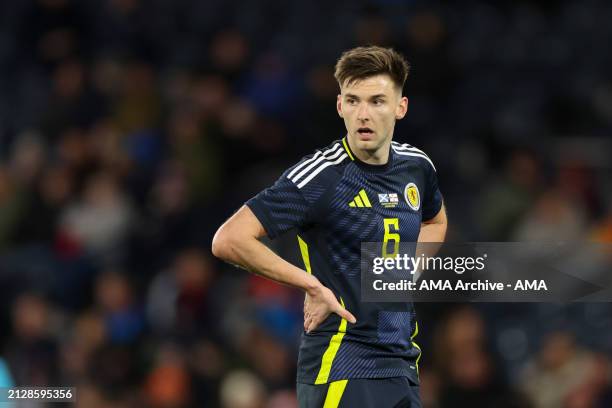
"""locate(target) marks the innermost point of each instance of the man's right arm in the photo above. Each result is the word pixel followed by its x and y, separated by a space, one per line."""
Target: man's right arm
pixel 237 242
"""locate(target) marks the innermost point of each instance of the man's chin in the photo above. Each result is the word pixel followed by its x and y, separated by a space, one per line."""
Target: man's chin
pixel 366 144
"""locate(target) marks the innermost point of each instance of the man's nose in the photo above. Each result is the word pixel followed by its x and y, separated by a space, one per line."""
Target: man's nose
pixel 362 112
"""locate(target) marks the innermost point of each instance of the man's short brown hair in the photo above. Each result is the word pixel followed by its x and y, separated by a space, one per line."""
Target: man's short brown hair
pixel 363 62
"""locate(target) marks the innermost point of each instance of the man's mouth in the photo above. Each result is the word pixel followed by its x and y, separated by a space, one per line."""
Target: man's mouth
pixel 365 131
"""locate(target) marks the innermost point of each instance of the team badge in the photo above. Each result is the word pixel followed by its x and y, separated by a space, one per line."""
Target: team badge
pixel 412 196
pixel 388 200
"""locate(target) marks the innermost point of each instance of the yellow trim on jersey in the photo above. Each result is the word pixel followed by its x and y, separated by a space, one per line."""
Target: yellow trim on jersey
pixel 334 343
pixel 416 331
pixel 330 353
pixel 305 255
pixel 348 151
pixel 359 202
pixel 334 394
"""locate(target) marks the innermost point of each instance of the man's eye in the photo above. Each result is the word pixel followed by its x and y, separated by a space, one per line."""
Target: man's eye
pixel 352 101
pixel 378 101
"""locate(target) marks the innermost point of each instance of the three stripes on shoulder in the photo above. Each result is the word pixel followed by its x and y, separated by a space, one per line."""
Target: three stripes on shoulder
pixel 407 150
pixel 308 169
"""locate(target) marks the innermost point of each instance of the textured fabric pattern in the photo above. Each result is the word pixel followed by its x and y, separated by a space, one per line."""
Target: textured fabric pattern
pixel 379 344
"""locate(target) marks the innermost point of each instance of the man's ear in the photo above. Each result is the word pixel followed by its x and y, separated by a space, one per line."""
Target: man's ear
pixel 402 108
pixel 339 105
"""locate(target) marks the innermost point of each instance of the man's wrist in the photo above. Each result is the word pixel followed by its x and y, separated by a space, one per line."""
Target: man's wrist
pixel 311 284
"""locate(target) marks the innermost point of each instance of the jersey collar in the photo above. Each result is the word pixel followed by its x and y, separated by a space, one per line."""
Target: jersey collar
pixel 362 164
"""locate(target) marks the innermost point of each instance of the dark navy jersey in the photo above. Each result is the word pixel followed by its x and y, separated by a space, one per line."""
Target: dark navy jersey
pixel 336 202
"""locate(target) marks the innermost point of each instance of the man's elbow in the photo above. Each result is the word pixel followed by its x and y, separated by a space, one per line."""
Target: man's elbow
pixel 221 244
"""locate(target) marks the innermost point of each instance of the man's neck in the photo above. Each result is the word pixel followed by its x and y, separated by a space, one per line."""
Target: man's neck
pixel 377 157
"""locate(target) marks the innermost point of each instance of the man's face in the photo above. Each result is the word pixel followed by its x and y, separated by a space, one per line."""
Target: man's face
pixel 370 108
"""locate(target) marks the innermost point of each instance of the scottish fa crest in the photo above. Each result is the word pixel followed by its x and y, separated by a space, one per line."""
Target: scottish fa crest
pixel 412 196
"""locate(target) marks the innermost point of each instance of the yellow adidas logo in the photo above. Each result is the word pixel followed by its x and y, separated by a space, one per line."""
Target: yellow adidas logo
pixel 361 200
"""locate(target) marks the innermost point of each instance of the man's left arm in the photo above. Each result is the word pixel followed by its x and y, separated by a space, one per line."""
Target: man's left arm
pixel 434 229
pixel 431 237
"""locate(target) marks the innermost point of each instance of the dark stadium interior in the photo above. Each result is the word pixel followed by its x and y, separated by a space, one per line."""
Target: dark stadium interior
pixel 131 129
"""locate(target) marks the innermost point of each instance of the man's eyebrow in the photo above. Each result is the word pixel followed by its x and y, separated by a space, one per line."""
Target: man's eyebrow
pixel 349 95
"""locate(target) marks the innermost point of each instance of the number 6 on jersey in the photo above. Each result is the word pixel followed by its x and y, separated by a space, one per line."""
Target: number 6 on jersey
pixel 393 237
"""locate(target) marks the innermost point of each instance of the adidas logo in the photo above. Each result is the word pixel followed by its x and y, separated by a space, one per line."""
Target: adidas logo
pixel 361 200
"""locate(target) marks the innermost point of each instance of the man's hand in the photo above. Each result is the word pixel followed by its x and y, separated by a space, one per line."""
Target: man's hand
pixel 318 304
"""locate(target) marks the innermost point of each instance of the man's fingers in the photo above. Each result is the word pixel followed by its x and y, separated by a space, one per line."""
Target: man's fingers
pixel 345 314
pixel 310 327
pixel 307 323
pixel 313 325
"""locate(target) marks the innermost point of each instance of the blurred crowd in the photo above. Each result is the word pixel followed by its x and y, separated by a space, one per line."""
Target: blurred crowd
pixel 130 129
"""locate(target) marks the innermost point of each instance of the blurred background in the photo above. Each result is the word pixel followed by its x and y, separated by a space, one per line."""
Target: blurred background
pixel 130 129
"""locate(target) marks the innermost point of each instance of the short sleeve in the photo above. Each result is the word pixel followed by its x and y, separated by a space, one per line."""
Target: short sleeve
pixel 433 197
pixel 280 207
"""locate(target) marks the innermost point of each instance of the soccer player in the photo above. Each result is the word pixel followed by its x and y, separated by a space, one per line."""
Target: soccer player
pixel 361 188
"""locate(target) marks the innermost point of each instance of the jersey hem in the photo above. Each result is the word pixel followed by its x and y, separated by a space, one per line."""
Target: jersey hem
pixel 312 380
